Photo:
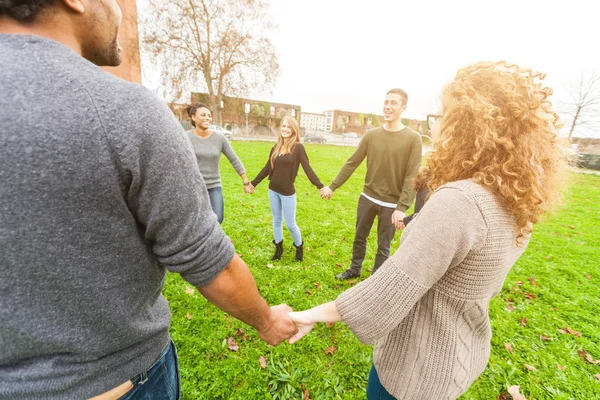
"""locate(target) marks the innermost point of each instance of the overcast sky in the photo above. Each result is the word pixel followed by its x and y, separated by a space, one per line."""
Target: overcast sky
pixel 346 54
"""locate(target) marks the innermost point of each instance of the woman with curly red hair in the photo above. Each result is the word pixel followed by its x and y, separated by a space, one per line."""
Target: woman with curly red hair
pixel 494 171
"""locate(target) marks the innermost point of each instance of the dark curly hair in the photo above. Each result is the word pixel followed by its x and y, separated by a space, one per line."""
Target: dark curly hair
pixel 23 10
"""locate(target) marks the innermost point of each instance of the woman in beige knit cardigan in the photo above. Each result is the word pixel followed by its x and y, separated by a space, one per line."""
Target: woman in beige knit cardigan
pixel 495 170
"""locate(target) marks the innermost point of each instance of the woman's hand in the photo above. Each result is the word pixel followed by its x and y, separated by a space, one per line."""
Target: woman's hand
pixel 304 323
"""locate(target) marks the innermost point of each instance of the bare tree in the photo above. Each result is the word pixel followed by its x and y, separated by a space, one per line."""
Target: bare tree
pixel 585 105
pixel 219 45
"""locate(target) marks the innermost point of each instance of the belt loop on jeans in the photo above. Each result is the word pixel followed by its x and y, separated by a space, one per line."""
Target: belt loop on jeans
pixel 143 377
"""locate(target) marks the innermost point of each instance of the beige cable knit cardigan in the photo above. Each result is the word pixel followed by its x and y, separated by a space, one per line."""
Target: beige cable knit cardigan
pixel 426 308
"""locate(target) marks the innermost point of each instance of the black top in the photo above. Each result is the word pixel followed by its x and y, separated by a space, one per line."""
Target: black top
pixel 419 203
pixel 283 175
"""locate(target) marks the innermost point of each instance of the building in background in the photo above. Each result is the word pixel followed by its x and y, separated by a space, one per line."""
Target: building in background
pixel 130 68
pixel 348 121
pixel 264 117
pixel 314 122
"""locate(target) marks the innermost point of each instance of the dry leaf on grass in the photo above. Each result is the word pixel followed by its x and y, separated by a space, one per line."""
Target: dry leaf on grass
pixel 232 345
pixel 559 367
pixel 339 265
pixel 545 338
pixel 190 291
pixel 188 316
pixel 262 361
pixel 530 367
pixel 270 265
pixel 304 392
pixel 573 332
pixel 514 392
pixel 533 282
pixel 330 350
pixel 523 321
pixel 317 284
pixel 508 347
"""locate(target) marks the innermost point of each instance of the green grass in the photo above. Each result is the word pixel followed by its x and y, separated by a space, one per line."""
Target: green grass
pixel 564 250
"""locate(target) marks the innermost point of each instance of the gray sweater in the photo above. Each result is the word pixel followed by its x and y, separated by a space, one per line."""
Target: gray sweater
pixel 427 307
pixel 99 196
pixel 208 153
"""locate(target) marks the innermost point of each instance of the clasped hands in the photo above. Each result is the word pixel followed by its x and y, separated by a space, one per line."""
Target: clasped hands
pixel 285 324
pixel 249 188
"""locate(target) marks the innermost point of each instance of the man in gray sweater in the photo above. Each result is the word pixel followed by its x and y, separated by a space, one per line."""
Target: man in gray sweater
pixel 99 196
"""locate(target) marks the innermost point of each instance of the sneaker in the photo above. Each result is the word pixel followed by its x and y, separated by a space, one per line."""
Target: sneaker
pixel 348 274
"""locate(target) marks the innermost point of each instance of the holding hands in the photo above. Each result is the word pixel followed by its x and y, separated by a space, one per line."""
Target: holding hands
pixel 326 192
pixel 248 188
pixel 279 327
pixel 306 320
pixel 397 219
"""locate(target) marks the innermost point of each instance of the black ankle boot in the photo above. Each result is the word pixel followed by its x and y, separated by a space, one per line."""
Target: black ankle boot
pixel 278 250
pixel 299 251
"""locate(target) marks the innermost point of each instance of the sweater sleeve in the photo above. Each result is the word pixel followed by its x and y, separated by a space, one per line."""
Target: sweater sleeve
pixel 232 157
pixel 167 195
pixel 310 173
pixel 448 228
pixel 412 169
pixel 353 162
pixel 263 172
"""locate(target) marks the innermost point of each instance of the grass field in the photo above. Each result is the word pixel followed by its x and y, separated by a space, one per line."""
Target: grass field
pixel 548 314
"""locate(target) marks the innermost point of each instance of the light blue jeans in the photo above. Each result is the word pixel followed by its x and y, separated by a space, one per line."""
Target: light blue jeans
pixel 284 207
pixel 217 203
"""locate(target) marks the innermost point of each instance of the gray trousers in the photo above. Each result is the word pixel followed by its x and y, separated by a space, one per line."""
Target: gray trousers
pixel 365 215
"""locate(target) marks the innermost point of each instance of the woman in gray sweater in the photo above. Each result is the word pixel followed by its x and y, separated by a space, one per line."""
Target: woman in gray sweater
pixel 494 170
pixel 208 147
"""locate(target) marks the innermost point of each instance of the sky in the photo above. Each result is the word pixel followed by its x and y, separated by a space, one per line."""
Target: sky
pixel 346 54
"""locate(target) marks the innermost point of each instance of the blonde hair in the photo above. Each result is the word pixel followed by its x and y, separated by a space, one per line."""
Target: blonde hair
pixel 286 145
pixel 499 130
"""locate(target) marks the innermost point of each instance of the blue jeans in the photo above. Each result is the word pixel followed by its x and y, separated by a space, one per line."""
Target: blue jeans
pixel 217 203
pixel 375 390
pixel 284 207
pixel 161 381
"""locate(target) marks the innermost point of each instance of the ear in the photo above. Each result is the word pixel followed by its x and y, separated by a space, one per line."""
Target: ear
pixel 75 5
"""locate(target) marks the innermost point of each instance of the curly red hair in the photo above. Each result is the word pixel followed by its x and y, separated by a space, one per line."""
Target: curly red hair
pixel 499 130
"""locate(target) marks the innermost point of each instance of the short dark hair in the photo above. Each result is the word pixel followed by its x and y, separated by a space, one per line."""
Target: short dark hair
pixel 191 110
pixel 23 10
pixel 402 94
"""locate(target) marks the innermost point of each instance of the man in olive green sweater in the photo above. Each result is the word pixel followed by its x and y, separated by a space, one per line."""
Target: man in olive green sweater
pixel 393 153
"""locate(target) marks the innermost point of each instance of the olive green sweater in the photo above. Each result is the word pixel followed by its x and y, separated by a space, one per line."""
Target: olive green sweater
pixel 393 160
pixel 426 308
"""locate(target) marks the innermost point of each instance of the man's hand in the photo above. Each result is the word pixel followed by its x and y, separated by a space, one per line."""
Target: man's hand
pixel 397 218
pixel 280 326
pixel 326 192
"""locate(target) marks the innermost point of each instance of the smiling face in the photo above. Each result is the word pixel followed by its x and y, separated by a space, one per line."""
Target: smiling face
pixel 393 107
pixel 286 130
pixel 202 118
pixel 99 42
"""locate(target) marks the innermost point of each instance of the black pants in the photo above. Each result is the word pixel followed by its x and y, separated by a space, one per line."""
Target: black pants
pixel 365 215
